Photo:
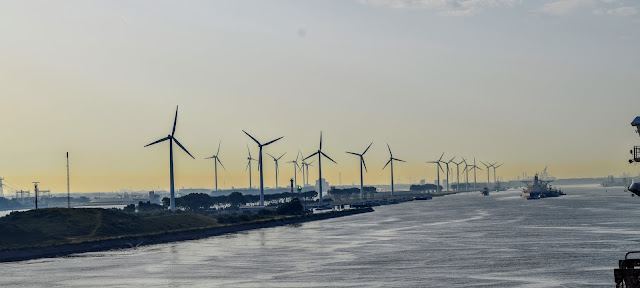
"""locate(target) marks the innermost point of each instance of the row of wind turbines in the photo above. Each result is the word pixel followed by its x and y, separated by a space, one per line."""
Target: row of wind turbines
pixel 305 165
pixel 466 170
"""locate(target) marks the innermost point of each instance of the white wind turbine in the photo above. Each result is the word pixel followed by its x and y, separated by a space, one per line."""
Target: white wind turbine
pixel 448 171
pixel 171 138
pixel 277 169
pixel 458 173
pixel 391 159
pixel 216 160
pixel 249 159
pixel 439 167
pixel 260 164
pixel 296 167
pixel 320 154
pixel 362 164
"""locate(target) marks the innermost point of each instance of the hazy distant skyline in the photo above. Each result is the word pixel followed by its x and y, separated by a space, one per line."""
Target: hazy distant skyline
pixel 527 83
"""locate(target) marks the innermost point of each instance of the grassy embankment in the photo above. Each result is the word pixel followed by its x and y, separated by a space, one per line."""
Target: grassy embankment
pixel 59 226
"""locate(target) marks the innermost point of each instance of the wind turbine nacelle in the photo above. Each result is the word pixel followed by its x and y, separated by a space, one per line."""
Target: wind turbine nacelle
pixel 635 188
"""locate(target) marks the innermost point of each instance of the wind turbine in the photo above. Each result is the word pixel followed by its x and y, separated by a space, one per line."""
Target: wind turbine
pixel 488 171
pixel 171 138
pixel 249 159
pixel 365 168
pixel 215 163
pixel 458 173
pixel 474 167
pixel 260 164
pixel 448 171
pixel 391 159
pixel 296 167
pixel 466 173
pixel 306 179
pixel 437 162
pixel 320 154
pixel 494 171
pixel 277 169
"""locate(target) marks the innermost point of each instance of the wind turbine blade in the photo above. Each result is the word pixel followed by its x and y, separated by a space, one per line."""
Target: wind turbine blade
pixel 353 153
pixel 274 158
pixel 365 164
pixel 209 157
pixel 454 157
pixel 365 150
pixel 175 120
pixel 163 139
pixel 281 156
pixel 218 159
pixel 389 150
pixel 325 155
pixel 297 155
pixel 272 141
pixel 254 139
pixel 441 156
pixel 218 147
pixel 440 166
pixel 185 150
pixel 310 157
pixel 248 163
pixel 249 151
pixel 478 168
pixel 385 165
pixel 320 140
pixel 398 160
pixel 311 162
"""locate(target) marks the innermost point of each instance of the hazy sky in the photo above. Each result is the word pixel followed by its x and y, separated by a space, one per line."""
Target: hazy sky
pixel 528 83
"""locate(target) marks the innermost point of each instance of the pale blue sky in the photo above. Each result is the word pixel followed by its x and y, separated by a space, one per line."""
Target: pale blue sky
pixel 528 83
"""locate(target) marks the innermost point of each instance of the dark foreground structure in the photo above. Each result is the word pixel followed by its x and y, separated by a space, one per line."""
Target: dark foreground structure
pixel 628 272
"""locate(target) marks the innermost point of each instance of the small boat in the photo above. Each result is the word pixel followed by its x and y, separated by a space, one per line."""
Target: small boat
pixel 422 198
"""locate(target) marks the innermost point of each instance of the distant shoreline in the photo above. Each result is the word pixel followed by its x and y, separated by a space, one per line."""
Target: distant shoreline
pixel 135 241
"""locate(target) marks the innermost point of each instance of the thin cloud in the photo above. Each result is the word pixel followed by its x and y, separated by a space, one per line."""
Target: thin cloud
pixel 445 7
pixel 599 7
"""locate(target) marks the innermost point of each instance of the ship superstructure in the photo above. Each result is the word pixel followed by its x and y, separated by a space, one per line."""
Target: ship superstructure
pixel 537 188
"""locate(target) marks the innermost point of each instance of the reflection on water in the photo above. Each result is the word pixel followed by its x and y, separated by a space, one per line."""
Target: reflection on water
pixel 455 241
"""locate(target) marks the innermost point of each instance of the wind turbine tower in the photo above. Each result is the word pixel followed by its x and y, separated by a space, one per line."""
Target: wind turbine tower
pixel 296 167
pixel 391 159
pixel 362 164
pixel 320 154
pixel 249 159
pixel 458 174
pixel 448 171
pixel 494 171
pixel 488 171
pixel 172 139
pixel 277 169
pixel 439 167
pixel 216 160
pixel 260 164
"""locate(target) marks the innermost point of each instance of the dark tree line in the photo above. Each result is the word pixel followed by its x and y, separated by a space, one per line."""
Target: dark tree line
pixel 350 192
pixel 424 187
pixel 201 201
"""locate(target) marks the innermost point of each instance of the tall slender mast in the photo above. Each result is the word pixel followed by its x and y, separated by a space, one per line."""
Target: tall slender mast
pixel 68 188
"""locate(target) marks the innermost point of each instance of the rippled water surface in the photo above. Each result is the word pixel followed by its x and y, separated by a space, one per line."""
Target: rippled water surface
pixel 461 240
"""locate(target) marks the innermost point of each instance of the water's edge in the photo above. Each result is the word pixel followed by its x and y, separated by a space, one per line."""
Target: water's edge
pixel 135 241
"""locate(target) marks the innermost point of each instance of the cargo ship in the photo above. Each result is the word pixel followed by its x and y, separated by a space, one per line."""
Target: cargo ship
pixel 537 189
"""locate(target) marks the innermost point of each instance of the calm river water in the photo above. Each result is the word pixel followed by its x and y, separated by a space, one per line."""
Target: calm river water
pixel 461 240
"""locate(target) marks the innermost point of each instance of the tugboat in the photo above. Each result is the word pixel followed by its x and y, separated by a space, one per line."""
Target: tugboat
pixel 485 192
pixel 537 189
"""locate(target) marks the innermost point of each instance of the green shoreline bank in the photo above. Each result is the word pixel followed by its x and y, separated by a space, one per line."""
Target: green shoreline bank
pixel 121 242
